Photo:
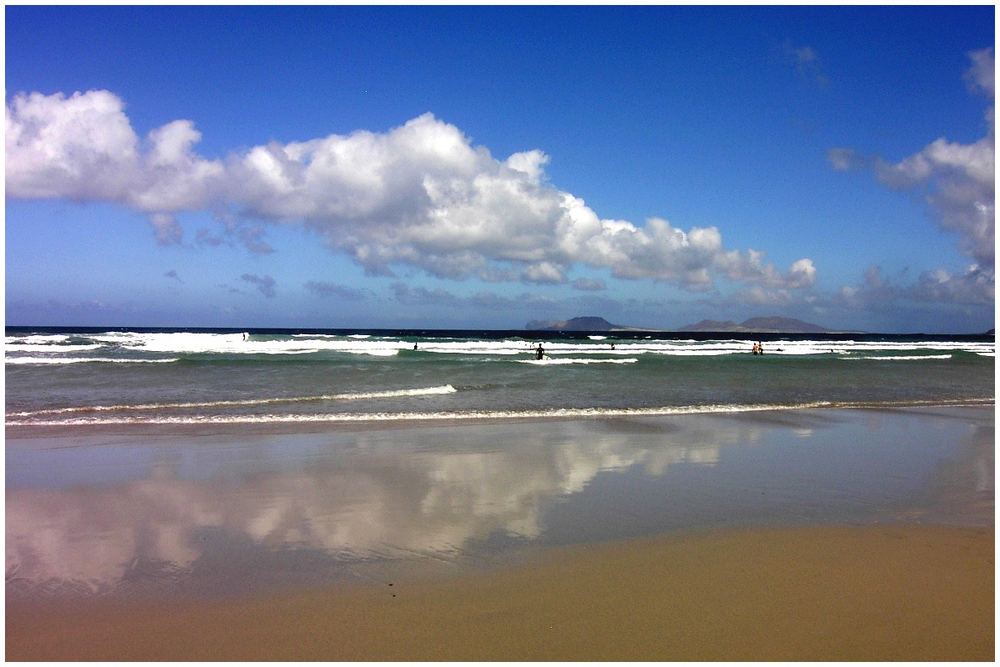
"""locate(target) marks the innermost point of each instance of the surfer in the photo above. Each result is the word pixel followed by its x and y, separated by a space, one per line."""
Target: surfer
pixel 540 352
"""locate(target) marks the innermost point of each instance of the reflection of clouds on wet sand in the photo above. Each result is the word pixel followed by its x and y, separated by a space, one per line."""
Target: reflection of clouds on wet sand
pixel 377 502
pixel 244 506
pixel 966 486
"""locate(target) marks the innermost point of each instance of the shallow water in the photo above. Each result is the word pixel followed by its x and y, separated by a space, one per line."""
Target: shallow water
pixel 218 513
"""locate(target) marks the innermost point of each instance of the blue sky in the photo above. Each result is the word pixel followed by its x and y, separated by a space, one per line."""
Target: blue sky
pixel 482 167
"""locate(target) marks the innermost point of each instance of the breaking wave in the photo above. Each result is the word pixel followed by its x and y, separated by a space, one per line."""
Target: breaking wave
pixel 350 396
pixel 23 361
pixel 911 357
pixel 554 413
pixel 556 361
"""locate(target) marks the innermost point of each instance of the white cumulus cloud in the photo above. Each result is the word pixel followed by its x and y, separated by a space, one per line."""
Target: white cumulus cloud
pixel 419 195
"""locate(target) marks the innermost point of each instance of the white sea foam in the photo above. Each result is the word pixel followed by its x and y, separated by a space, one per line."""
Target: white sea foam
pixel 234 344
pixel 351 396
pixel 910 357
pixel 31 361
pixel 699 352
pixel 557 361
pixel 181 343
pixel 554 413
pixel 49 347
pixel 37 339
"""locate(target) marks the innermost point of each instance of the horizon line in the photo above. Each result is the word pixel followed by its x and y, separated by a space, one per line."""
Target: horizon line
pixel 627 331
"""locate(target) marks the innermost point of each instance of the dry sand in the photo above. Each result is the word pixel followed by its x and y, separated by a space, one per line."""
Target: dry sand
pixel 884 592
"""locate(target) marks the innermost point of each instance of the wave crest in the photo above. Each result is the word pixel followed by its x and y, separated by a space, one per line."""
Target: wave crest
pixel 554 413
pixel 351 396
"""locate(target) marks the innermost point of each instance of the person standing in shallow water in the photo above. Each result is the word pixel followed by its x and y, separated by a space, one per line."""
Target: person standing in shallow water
pixel 540 352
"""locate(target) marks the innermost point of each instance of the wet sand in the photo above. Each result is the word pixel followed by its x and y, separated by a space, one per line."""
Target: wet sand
pixel 790 535
pixel 898 592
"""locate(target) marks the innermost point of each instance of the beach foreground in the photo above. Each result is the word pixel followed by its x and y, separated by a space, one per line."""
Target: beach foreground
pixel 898 592
pixel 772 535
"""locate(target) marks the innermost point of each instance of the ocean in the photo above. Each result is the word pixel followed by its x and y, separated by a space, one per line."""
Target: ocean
pixel 101 377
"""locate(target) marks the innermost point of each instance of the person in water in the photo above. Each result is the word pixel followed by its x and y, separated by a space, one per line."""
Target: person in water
pixel 540 352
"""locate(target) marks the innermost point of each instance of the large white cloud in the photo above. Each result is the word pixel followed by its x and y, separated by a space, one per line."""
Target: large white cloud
pixel 81 147
pixel 420 195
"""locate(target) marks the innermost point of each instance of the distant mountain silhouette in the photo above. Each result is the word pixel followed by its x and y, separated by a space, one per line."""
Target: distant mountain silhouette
pixel 758 325
pixel 588 323
pixel 752 325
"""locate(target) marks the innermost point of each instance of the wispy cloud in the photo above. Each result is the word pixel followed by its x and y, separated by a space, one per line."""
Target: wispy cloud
pixel 419 195
pixel 264 284
pixel 437 296
pixel 806 61
pixel 973 287
pixel 236 232
pixel 845 159
pixel 589 285
pixel 326 289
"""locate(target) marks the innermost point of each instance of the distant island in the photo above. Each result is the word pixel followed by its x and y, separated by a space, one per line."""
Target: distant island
pixel 587 323
pixel 752 325
pixel 758 325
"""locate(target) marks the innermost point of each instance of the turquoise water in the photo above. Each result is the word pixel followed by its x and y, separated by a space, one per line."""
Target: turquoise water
pixel 109 378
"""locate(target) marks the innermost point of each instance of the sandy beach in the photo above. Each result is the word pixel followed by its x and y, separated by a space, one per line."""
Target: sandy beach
pixel 802 535
pixel 835 593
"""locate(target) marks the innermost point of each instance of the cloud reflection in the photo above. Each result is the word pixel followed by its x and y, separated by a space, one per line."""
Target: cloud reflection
pixel 371 499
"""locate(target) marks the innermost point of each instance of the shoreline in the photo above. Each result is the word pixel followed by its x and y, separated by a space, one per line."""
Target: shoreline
pixel 884 592
pixel 293 424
